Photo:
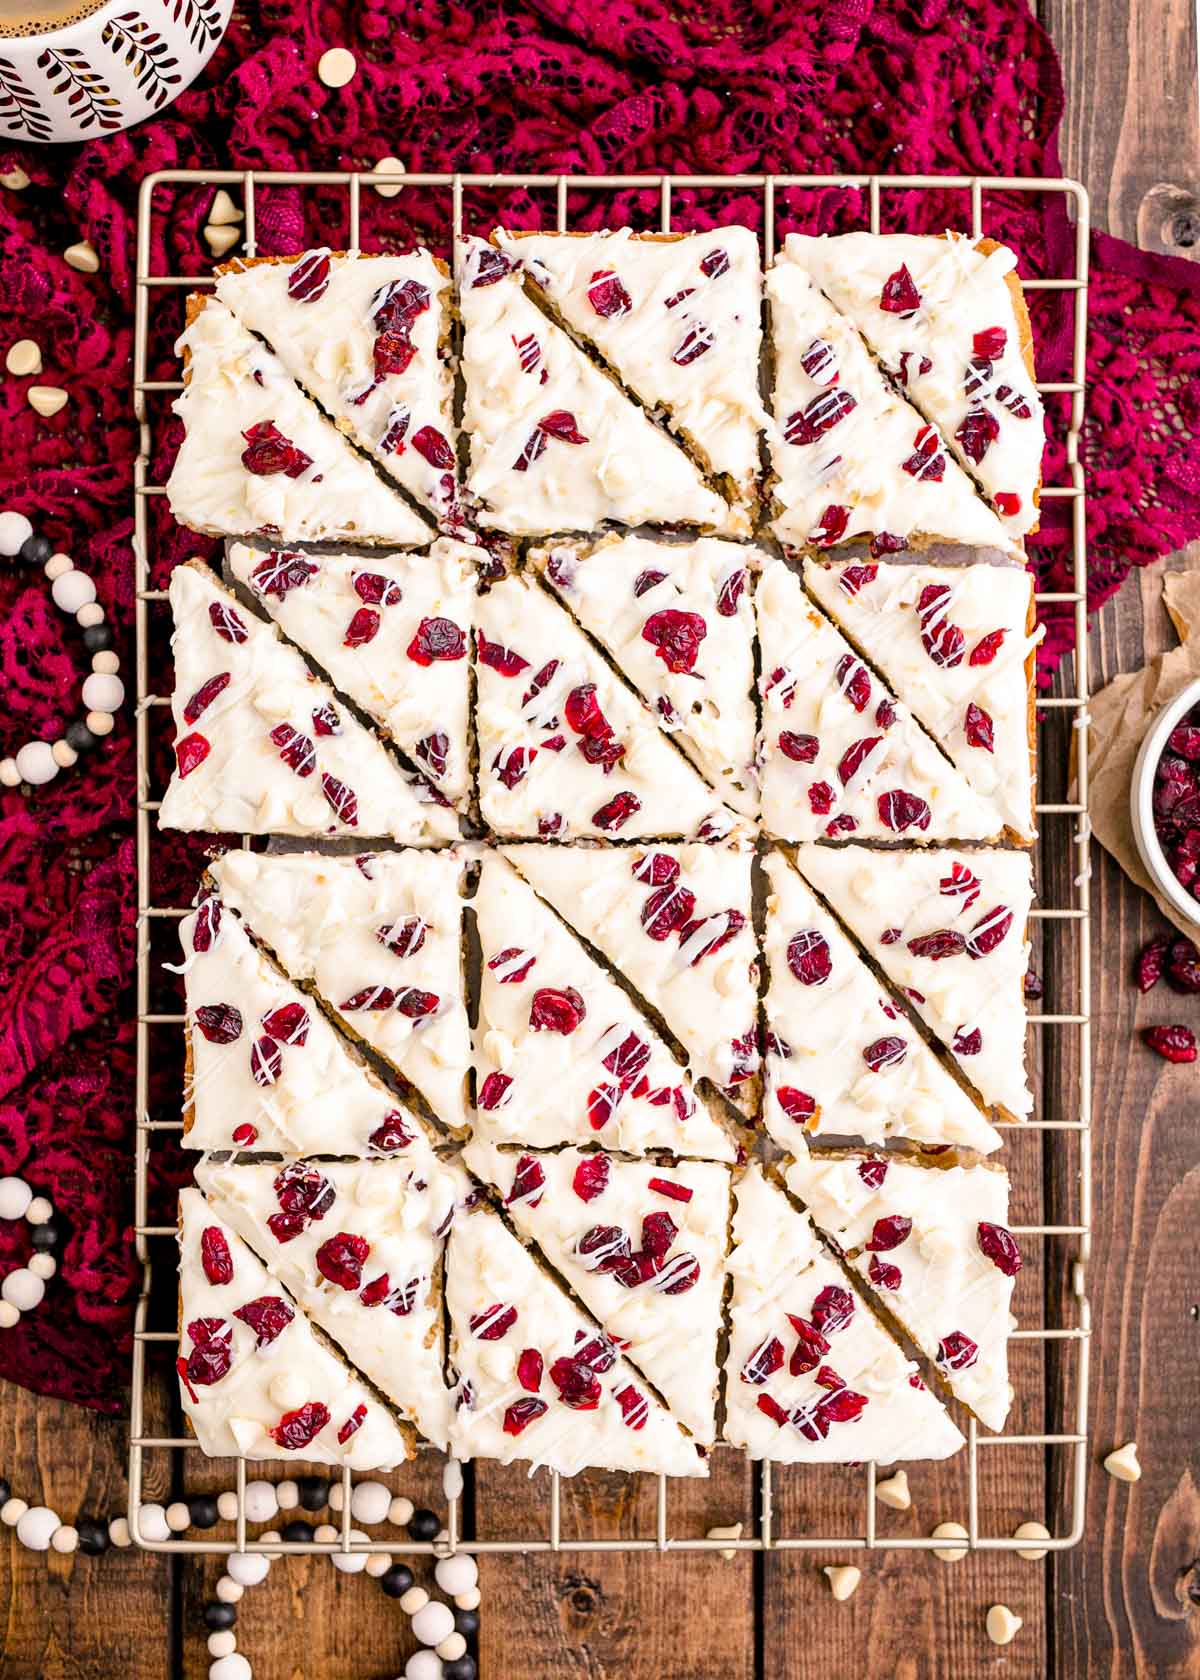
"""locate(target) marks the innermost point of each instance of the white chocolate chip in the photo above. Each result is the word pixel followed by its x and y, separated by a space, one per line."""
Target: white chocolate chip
pixel 949 1531
pixel 337 67
pixel 894 1492
pixel 82 256
pixel 221 238
pixel 46 399
pixel 15 180
pixel 1123 1463
pixel 732 1532
pixel 1002 1626
pixel 389 166
pixel 24 357
pixel 843 1579
pixel 224 211
pixel 1032 1531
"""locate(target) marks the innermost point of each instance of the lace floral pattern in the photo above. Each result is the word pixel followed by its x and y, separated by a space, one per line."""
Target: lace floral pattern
pixel 634 86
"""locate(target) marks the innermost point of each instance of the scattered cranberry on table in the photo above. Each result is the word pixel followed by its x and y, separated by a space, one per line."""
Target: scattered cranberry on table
pixel 1174 1044
pixel 1176 801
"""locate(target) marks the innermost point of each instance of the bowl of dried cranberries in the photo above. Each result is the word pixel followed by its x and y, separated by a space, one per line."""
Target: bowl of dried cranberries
pixel 1165 802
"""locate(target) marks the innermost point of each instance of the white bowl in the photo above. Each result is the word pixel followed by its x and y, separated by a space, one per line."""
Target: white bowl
pixel 1141 810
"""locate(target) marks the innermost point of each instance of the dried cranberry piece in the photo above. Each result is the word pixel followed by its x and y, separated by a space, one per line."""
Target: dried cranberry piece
pixel 266 1062
pixel 433 447
pixel 854 680
pixel 362 628
pixel 523 1412
pixel 191 752
pixel 204 697
pixel 883 1274
pixel 967 1043
pixel 499 658
pixel 657 869
pixel 819 416
pixel 1032 984
pixel 288 1024
pixel 797 1105
pixel 900 295
pixel 399 1299
pixel 659 1231
pixel 529 353
pixel 403 939
pixel 977 433
pixel 833 1309
pixel 391 1133
pixel 415 1004
pixel 715 262
pixel 851 761
pixel 978 727
pixel 377 591
pixel 437 638
pixel 393 352
pixel 831 526
pixel 627 1059
pixel 352 1424
pixel 820 363
pixel 529 1182
pixel 681 1273
pixel 341 1258
pixel 493 1093
pixel 888 1233
pixel 885 1053
pixel 281 572
pixel 268 1317
pixel 801 749
pixel 989 931
pixel 844 1406
pixel 577 1384
pixel 591 1177
pixel 676 637
pixel 990 343
pixel 872 1172
pixel 811 1346
pixel 1174 1044
pixel 296 750
pixel 211 1354
pixel 904 372
pixel 927 461
pixel 297 1430
pixel 556 1010
pixel 666 909
pixel 512 764
pixel 326 720
pixel 583 713
pixel 730 593
pixel 342 801
pixel 696 341
pixel 227 624
pixel 268 452
pixel 221 1023
pixel 530 1365
pixel 716 930
pixel 765 1360
pixel 809 958
pixel 768 1404
pixel 215 1256
pixel 1183 966
pixel 891 936
pixel 957 1351
pixel 207 925
pixel 607 294
pixel 635 1408
pixel 309 279
pixel 820 799
pixel 944 943
pixel 883 542
pixel 392 441
pixel 898 810
pixel 493 1322
pixel 986 648
pixel 617 812
pixel 284 1226
pixel 371 997
pixel 1000 1247
pixel 604 1248
pixel 490 265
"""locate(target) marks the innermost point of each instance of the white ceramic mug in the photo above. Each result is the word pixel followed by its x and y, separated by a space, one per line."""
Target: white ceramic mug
pixel 80 71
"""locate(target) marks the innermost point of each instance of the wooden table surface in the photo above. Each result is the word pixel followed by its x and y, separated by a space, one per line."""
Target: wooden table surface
pixel 1124 1603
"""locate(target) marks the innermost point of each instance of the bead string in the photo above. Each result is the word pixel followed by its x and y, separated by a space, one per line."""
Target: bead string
pixel 23 1288
pixel 444 1633
pixel 74 593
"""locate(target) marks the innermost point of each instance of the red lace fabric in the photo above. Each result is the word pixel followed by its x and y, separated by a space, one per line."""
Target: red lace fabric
pixel 630 86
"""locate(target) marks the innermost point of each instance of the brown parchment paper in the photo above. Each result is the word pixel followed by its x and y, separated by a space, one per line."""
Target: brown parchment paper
pixel 1120 716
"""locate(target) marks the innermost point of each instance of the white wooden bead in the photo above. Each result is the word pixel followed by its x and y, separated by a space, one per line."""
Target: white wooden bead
pixel 12 1511
pixel 325 1533
pixel 228 1590
pixel 178 1517
pixel 103 694
pixel 106 663
pixel 87 616
pixel 82 256
pixel 15 530
pixel 452 1479
pixel 223 1643
pixel 469 1600
pixel 248 1568
pixel 416 1598
pixel 15 180
pixel 36 763
pixel 58 566
pixel 152 1522
pixel 46 400
pixel 288 1495
pixel 451 1648
pixel 270 1538
pixel 400 1511
pixel 40 1211
pixel 15 1197
pixel 387 166
pixel 337 1497
pixel 352 1563
pixel 24 357
pixel 433 1622
pixel 22 1289
pixel 43 1266
pixel 370 1501
pixel 118 1532
pixel 65 1539
pixel 457 1574
pixel 64 754
pixel 35 1527
pixel 9 1315
pixel 224 211
pixel 232 1667
pixel 423 1665
pixel 73 590
pixel 227 1506
pixel 260 1502
pixel 10 776
pixel 337 67
pixel 379 1563
pixel 100 723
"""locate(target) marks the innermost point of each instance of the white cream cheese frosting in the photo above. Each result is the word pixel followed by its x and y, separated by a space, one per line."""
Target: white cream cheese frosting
pixel 949 929
pixel 934 1244
pixel 262 747
pixel 678 620
pixel 259 458
pixel 811 1376
pixel 392 631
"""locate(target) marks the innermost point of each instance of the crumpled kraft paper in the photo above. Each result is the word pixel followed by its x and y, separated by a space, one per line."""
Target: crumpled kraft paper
pixel 1121 714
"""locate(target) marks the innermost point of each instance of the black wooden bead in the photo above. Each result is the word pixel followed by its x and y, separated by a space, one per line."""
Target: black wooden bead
pixel 97 637
pixel 297 1531
pixel 43 1236
pixel 5 1491
pixel 202 1509
pixel 93 1536
pixel 35 550
pixel 462 1668
pixel 466 1622
pixel 80 737
pixel 314 1493
pixel 396 1580
pixel 424 1525
pixel 218 1616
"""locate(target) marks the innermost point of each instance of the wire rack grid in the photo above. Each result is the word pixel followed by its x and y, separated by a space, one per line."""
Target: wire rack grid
pixel 1064 1136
